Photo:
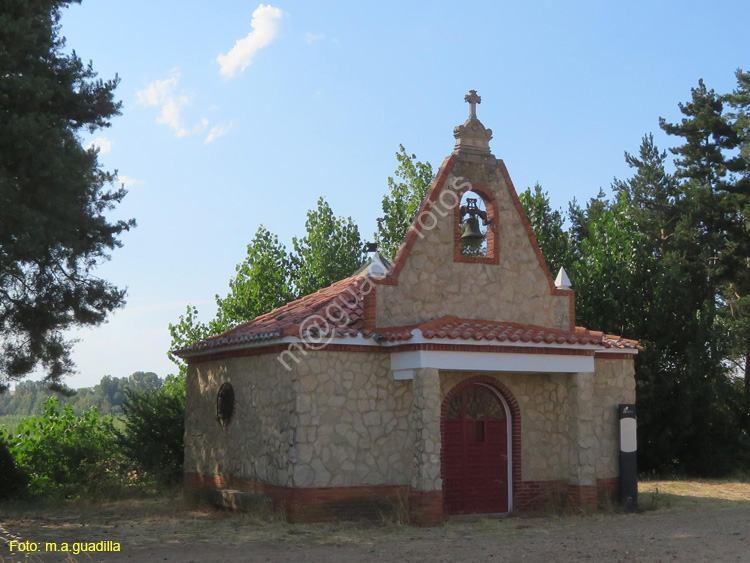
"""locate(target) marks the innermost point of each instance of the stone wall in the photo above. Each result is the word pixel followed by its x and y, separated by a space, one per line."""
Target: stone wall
pixel 339 421
pixel 425 430
pixel 353 425
pixel 257 444
pixel 432 284
pixel 614 383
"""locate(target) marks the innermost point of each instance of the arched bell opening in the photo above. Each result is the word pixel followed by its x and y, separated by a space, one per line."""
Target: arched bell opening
pixel 473 226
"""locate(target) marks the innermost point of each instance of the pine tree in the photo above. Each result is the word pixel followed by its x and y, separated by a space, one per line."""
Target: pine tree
pixel 702 244
pixel 53 193
pixel 736 292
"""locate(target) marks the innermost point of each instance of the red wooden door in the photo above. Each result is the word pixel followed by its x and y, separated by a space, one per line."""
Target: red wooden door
pixel 475 453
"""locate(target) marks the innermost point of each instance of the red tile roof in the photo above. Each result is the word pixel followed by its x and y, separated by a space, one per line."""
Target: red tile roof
pixel 455 328
pixel 308 313
pixel 337 310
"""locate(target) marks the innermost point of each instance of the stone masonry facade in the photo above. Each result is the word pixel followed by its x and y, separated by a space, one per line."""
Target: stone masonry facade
pixel 339 421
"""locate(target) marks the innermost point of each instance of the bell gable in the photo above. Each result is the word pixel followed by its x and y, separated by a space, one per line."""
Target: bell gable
pixel 442 270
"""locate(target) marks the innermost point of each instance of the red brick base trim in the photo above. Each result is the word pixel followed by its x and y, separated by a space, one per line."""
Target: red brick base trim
pixel 426 508
pixel 608 490
pixel 320 504
pixel 421 508
pixel 545 495
pixel 539 495
pixel 582 496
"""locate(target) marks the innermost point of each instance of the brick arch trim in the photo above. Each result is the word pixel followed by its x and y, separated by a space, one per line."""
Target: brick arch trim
pixel 515 419
pixel 493 240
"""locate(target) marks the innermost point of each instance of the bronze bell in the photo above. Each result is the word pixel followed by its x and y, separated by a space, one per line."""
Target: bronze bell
pixel 471 233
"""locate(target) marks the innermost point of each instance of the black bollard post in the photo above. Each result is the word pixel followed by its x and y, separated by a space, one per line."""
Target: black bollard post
pixel 628 457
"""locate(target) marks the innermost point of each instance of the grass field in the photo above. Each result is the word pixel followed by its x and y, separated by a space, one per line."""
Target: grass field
pixel 693 494
pixel 10 421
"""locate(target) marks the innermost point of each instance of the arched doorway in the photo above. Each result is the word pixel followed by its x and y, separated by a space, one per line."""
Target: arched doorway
pixel 475 451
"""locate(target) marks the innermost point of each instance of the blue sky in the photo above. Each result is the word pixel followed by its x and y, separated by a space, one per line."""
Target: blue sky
pixel 237 114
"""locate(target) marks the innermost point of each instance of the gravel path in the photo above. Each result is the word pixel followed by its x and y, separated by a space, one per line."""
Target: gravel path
pixel 706 535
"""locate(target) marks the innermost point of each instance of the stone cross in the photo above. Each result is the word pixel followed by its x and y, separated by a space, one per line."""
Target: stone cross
pixel 473 100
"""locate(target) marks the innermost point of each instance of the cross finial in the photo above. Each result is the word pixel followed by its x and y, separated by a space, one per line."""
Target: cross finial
pixel 473 100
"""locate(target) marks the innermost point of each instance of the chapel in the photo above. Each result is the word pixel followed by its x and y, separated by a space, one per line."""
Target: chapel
pixel 453 380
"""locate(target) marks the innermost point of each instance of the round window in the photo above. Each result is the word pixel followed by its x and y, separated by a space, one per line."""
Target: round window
pixel 225 404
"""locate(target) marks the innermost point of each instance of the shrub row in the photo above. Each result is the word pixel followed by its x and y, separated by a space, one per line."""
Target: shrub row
pixel 59 454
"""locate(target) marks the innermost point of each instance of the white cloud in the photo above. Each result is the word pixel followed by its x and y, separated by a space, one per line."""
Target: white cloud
pixel 311 37
pixel 218 131
pixel 265 24
pixel 127 180
pixel 103 144
pixel 163 93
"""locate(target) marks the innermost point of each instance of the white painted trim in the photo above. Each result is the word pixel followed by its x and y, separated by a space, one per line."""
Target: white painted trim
pixel 403 374
pixel 605 351
pixel 417 338
pixel 491 361
pixel 628 438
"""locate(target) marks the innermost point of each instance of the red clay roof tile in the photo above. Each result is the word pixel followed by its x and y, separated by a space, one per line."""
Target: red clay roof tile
pixel 338 310
pixel 455 328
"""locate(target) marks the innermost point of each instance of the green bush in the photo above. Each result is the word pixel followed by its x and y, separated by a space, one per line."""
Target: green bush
pixel 154 426
pixel 64 454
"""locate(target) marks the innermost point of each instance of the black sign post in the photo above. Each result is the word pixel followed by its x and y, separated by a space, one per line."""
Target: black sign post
pixel 628 457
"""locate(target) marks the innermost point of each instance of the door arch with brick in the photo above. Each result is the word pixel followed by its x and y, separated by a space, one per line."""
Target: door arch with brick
pixel 476 450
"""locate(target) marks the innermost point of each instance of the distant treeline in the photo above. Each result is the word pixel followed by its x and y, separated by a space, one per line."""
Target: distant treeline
pixel 107 396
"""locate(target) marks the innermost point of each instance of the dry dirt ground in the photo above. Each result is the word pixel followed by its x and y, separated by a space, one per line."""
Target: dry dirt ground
pixel 680 521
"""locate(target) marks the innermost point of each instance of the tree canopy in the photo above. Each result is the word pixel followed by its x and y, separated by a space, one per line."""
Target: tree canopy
pixel 666 260
pixel 406 190
pixel 330 250
pixel 108 396
pixel 54 195
pixel 270 276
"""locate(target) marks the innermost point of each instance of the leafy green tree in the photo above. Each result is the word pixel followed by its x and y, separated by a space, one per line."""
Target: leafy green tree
pixel 548 227
pixel 186 331
pixel 143 381
pixel 64 454
pixel 263 283
pixel 53 193
pixel 331 250
pixel 154 428
pixel 406 191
